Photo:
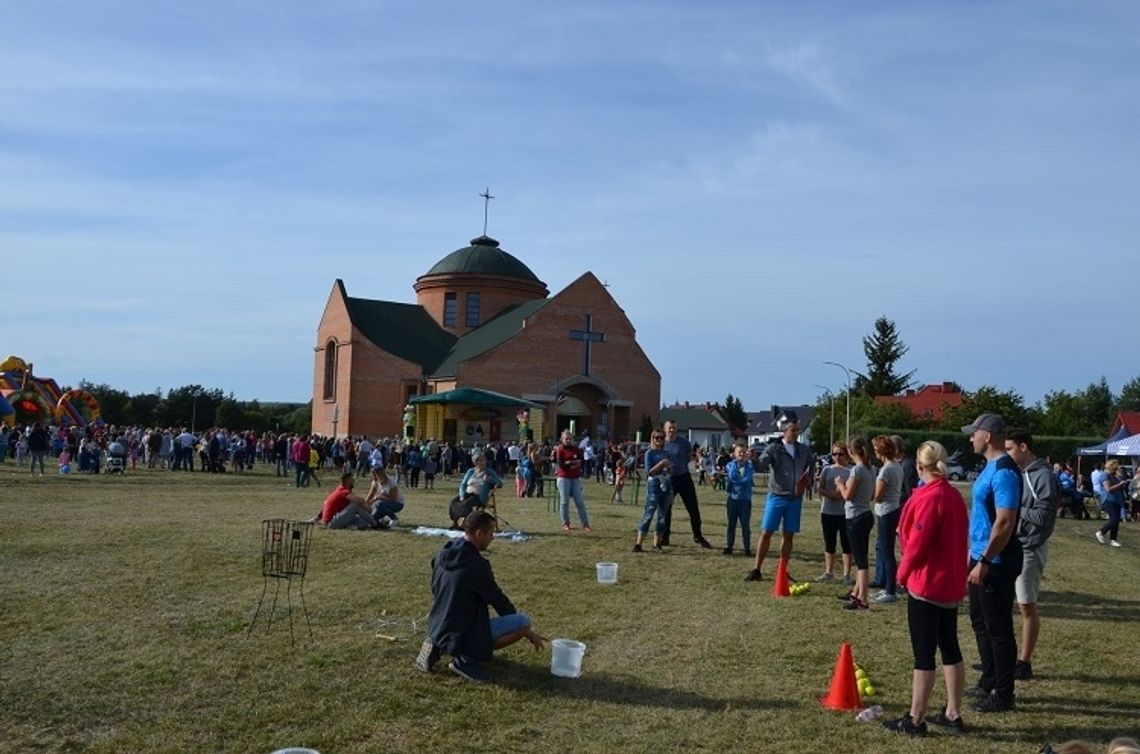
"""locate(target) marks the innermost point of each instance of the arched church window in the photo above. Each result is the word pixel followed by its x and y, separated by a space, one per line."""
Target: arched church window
pixel 329 391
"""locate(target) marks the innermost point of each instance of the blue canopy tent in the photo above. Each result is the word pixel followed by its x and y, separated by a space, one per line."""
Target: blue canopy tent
pixel 1129 446
pixel 1101 449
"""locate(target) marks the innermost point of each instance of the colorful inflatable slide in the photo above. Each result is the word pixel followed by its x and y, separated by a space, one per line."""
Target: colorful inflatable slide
pixel 25 397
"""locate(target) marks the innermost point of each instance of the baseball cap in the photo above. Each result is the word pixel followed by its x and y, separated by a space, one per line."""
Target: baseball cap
pixel 986 423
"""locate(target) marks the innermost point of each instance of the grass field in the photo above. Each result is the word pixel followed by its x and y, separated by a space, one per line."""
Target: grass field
pixel 125 604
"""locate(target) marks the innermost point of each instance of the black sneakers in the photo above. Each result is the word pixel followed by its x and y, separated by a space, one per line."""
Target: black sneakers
pixel 1023 671
pixel 954 727
pixel 907 725
pixel 754 575
pixel 702 542
pixel 726 551
pixel 468 669
pixel 428 656
pixel 995 703
pixel 637 548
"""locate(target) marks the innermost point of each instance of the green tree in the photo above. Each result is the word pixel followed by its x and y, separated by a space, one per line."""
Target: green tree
pixel 645 427
pixel 143 408
pixel 987 400
pixel 883 349
pixel 1129 398
pixel 230 415
pixel 1097 403
pixel 1059 413
pixel 113 404
pixel 734 414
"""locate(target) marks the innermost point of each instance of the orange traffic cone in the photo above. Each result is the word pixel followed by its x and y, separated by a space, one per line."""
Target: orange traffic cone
pixel 780 586
pixel 844 691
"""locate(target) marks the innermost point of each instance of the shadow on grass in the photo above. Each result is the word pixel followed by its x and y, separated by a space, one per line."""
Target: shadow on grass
pixel 1094 607
pixel 1060 708
pixel 602 687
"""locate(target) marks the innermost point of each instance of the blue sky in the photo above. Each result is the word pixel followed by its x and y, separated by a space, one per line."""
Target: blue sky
pixel 757 182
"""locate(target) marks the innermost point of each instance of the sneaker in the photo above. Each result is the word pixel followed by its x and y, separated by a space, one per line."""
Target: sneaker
pixel 565 527
pixel 665 541
pixel 659 547
pixel 825 577
pixel 907 725
pixel 637 548
pixel 384 523
pixel 954 727
pixel 754 575
pixel 977 692
pixel 428 656
pixel 702 542
pixel 726 551
pixel 882 597
pixel 468 669
pixel 588 529
pixel 393 519
pixel 1100 537
pixel 848 580
pixel 1114 543
pixel 1023 671
pixel 856 604
pixel 748 554
pixel 995 703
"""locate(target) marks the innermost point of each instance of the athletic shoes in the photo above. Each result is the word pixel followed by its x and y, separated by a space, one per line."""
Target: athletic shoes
pixel 1114 543
pixel 565 527
pixel 588 529
pixel 907 725
pixel 726 551
pixel 1100 538
pixel 754 575
pixel 702 542
pixel 882 597
pixel 825 577
pixel 1023 671
pixel 978 692
pixel 637 548
pixel 428 656
pixel 954 727
pixel 467 669
pixel 994 703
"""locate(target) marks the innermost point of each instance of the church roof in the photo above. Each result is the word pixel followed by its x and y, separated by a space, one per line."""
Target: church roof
pixel 482 257
pixel 403 330
pixel 487 336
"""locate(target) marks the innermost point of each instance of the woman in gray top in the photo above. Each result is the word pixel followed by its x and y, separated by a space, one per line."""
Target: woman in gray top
pixel 888 493
pixel 832 516
pixel 856 491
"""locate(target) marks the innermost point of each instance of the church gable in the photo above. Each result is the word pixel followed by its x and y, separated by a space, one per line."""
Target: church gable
pixel 403 330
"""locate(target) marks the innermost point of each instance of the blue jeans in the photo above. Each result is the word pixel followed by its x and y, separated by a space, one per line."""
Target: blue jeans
pixel 656 500
pixel 383 508
pixel 568 488
pixel 886 564
pixel 739 511
pixel 508 624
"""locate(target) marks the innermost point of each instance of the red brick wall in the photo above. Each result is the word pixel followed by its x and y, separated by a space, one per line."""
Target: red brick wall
pixel 496 295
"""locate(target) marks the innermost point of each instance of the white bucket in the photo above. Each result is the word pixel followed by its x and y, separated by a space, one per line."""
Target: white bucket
pixel 566 657
pixel 607 573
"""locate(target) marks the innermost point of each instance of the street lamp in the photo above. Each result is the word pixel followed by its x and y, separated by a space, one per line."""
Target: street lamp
pixel 847 372
pixel 831 430
pixel 194 410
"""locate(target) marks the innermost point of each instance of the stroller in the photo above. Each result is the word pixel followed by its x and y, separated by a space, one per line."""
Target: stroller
pixel 116 459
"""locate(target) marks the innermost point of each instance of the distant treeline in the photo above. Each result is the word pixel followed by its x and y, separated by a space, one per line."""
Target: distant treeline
pixel 197 407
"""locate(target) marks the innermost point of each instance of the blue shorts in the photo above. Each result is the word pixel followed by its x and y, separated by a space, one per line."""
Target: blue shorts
pixel 781 508
pixel 508 624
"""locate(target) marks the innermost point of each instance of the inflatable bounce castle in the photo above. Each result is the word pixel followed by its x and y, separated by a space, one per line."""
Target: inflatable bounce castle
pixel 26 398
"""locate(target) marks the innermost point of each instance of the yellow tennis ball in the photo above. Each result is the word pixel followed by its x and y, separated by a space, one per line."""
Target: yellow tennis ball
pixel 870 690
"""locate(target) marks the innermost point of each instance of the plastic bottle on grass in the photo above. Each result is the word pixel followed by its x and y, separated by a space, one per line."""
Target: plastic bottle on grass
pixel 869 714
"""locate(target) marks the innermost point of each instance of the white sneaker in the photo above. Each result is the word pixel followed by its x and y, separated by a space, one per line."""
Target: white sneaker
pixel 825 577
pixel 882 597
pixel 1100 537
pixel 1114 543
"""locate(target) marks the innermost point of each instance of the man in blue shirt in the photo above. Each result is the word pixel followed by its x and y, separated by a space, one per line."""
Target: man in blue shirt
pixel 995 562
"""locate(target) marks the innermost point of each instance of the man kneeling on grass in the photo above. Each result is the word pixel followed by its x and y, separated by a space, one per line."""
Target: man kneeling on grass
pixel 462 587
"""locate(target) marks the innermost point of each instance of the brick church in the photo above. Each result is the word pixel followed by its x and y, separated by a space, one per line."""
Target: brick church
pixel 486 336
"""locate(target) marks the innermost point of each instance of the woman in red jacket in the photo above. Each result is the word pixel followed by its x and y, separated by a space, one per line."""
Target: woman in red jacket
pixel 933 536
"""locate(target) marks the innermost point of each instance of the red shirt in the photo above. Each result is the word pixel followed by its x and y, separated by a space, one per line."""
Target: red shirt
pixel 564 454
pixel 334 503
pixel 935 545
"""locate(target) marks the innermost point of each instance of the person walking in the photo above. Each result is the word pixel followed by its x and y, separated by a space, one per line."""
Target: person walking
pixel 995 563
pixel 1040 498
pixel 1111 501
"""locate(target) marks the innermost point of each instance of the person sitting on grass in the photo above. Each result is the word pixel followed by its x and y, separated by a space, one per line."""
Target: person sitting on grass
pixel 384 497
pixel 474 491
pixel 342 509
pixel 462 588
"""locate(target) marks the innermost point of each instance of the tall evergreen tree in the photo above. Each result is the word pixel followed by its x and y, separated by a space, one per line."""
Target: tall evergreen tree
pixel 733 413
pixel 883 348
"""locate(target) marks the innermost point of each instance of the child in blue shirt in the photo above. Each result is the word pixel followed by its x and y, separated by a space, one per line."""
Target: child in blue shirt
pixel 738 485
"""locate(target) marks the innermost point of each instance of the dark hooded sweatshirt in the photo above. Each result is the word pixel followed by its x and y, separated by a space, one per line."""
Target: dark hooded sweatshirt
pixel 463 586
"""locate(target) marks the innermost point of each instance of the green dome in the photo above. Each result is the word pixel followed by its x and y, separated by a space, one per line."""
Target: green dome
pixel 482 257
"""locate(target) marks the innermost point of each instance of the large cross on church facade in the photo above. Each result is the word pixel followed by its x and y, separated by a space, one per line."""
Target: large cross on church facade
pixel 588 338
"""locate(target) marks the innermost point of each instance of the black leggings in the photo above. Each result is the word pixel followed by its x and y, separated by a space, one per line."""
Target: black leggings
pixel 834 525
pixel 859 535
pixel 932 627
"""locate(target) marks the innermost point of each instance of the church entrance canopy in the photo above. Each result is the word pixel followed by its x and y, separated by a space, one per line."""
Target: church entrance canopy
pixel 473 416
